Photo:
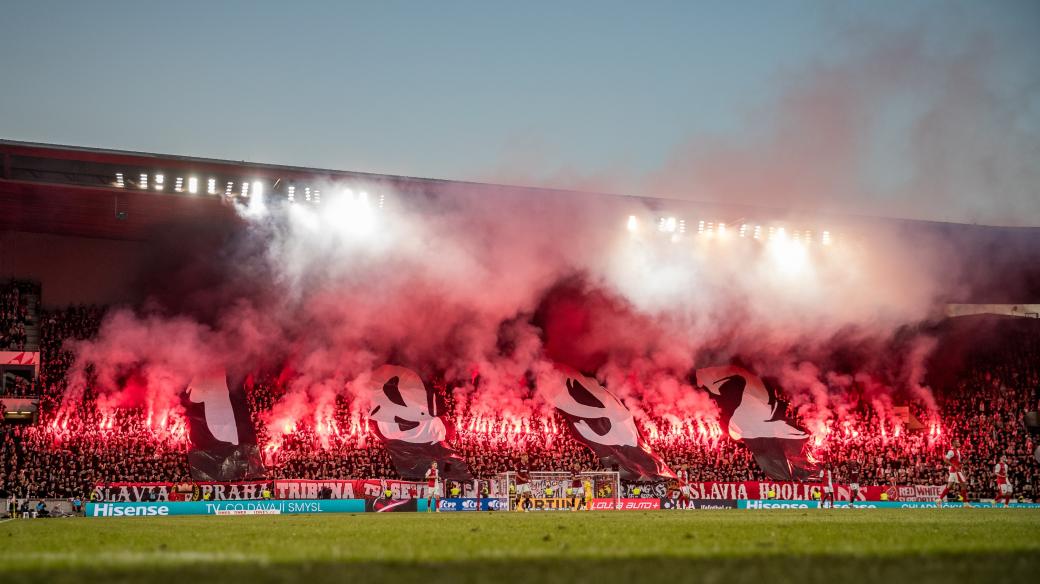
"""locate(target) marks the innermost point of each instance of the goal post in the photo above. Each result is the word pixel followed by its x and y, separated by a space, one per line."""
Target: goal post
pixel 552 491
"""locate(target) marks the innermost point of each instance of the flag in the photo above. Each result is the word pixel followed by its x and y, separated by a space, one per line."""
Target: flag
pixel 407 418
pixel 751 413
pixel 223 439
pixel 600 421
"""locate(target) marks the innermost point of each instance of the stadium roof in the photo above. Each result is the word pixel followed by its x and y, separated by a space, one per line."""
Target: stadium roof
pixel 89 192
pixel 96 192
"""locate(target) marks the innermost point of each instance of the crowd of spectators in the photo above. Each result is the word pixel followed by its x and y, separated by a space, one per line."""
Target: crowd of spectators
pixel 44 461
pixel 20 386
pixel 303 456
pixel 68 456
pixel 985 411
pixel 15 314
pixel 56 328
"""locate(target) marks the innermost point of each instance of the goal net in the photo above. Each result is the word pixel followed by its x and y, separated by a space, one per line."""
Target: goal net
pixel 553 491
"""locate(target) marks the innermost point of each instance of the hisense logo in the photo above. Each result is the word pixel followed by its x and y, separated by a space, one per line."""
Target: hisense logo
pixel 766 505
pixel 111 510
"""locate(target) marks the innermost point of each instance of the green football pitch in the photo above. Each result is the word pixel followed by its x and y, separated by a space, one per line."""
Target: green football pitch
pixel 834 546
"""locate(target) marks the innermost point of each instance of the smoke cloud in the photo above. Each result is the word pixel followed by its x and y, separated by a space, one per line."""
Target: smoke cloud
pixel 926 121
pixel 491 289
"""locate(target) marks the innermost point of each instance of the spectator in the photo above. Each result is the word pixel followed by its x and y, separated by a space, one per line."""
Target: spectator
pixel 15 313
pixel 68 457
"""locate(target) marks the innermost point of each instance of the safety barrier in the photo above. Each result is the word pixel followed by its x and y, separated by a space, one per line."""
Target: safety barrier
pixel 263 507
pixel 311 506
pixel 795 504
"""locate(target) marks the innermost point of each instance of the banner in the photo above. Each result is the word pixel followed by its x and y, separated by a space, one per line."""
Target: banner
pixel 781 490
pixel 638 504
pixel 467 504
pixel 700 504
pixel 604 505
pixel 406 417
pixel 252 490
pixel 391 505
pixel 922 493
pixel 134 492
pixel 598 419
pixel 296 507
pixel 780 504
pixel 284 489
pixel 223 508
pixel 21 358
pixel 348 489
pixel 223 440
pixel 751 412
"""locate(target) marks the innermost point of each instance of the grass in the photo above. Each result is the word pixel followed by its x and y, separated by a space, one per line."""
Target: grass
pixel 837 547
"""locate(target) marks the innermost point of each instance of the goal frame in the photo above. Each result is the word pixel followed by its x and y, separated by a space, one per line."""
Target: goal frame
pixel 505 483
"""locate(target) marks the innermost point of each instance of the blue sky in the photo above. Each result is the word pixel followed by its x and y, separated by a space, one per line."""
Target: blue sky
pixel 538 92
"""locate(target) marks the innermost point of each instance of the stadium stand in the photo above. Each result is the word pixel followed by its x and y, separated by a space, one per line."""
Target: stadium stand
pixel 984 410
pixel 19 328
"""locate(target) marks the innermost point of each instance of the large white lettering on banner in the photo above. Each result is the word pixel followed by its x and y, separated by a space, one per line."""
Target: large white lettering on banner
pixel 245 491
pixel 782 490
pixel 135 492
pixel 348 489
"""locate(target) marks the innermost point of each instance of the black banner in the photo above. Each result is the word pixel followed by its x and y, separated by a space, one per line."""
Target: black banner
pixel 600 421
pixel 223 439
pixel 405 415
pixel 751 412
